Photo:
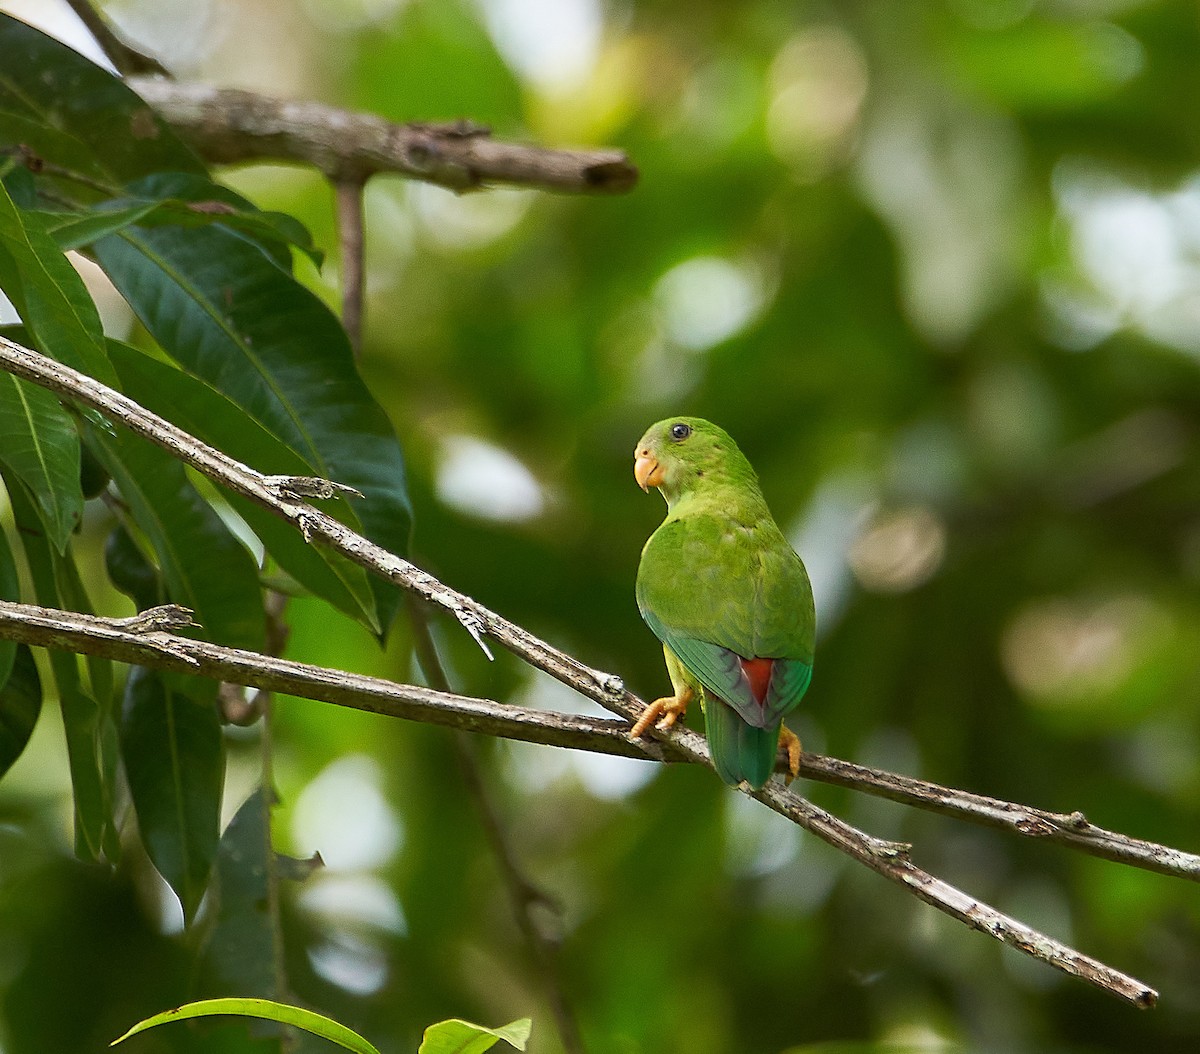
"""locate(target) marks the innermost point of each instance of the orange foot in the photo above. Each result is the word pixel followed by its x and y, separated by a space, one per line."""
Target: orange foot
pixel 670 708
pixel 791 744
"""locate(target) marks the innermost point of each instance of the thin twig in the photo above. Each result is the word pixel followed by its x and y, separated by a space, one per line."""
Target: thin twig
pixel 352 239
pixel 524 895
pixel 228 126
pixel 1069 829
pixel 605 689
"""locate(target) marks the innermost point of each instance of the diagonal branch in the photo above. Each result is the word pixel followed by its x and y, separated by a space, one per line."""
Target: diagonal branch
pixel 229 126
pixel 279 495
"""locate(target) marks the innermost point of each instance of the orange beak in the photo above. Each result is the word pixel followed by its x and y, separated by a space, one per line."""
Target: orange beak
pixel 647 471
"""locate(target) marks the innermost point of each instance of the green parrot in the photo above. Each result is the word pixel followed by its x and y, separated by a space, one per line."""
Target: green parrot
pixel 727 596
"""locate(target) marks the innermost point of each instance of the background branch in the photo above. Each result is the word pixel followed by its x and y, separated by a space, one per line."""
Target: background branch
pixel 229 126
pixel 348 194
pixel 278 495
pixel 523 894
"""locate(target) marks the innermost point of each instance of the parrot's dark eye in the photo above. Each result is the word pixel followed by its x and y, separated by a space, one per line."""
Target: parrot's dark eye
pixel 680 431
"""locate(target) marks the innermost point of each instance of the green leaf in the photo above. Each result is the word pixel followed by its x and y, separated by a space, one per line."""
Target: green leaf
pixel 20 705
pixel 66 109
pixel 205 567
pixel 130 571
pixel 244 948
pixel 462 1037
pixel 175 762
pixel 48 293
pixel 317 1024
pixel 224 311
pixel 179 199
pixel 88 726
pixel 100 675
pixel 10 589
pixel 210 416
pixel 39 443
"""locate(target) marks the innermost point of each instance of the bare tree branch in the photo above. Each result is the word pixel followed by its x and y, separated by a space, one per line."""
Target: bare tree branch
pixel 145 640
pixel 229 126
pixel 279 494
pixel 352 241
pixel 1069 829
pixel 891 860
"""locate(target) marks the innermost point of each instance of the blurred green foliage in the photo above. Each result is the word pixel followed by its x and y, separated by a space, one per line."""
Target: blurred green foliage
pixel 936 266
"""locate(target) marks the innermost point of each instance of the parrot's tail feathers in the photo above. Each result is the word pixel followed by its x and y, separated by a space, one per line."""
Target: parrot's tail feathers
pixel 739 750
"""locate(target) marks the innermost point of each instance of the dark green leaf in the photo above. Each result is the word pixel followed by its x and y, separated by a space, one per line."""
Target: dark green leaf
pixel 48 293
pixel 20 705
pixel 10 589
pixel 244 946
pixel 205 567
pixel 68 110
pixel 40 446
pixel 130 571
pixel 89 727
pixel 175 762
pixel 216 304
pixel 209 415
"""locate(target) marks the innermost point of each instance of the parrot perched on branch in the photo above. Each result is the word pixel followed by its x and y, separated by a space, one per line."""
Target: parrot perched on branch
pixel 728 597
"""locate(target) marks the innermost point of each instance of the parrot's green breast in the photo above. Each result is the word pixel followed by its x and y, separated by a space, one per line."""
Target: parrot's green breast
pixel 736 585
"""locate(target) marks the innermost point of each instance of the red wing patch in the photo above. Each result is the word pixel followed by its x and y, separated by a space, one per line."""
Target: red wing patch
pixel 758 675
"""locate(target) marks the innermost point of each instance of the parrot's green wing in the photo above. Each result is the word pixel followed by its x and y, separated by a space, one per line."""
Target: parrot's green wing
pixel 716 591
pixel 719 670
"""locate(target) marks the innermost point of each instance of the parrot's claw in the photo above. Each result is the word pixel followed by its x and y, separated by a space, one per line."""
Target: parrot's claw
pixel 665 711
pixel 791 744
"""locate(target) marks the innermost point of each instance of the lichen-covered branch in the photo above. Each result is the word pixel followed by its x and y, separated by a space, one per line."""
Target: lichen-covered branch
pixel 230 126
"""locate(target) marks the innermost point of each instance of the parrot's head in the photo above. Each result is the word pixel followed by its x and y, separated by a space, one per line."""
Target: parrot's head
pixel 683 454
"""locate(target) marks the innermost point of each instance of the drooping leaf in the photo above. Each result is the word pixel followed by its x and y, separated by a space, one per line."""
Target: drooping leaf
pixel 10 589
pixel 100 674
pixel 205 567
pixel 317 1024
pixel 48 293
pixel 90 732
pixel 175 762
pixel 224 311
pixel 462 1037
pixel 212 417
pixel 39 444
pixel 130 571
pixel 243 949
pixel 64 108
pixel 20 705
